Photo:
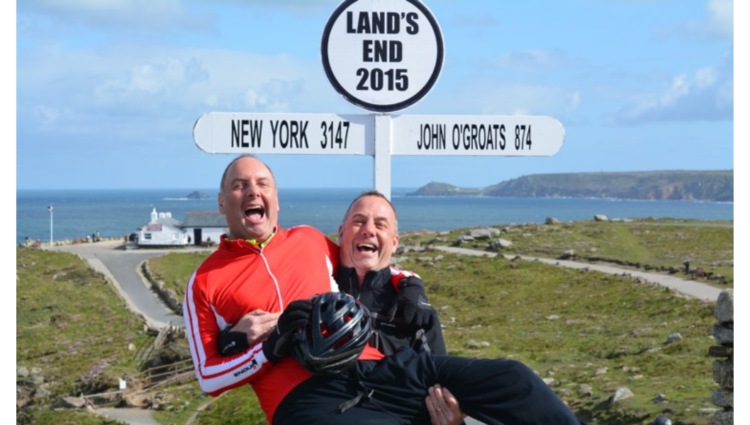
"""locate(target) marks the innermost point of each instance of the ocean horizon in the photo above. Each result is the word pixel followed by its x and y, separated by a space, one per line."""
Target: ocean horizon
pixel 116 213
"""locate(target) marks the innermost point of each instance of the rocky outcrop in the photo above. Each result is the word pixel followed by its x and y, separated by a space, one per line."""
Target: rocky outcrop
pixel 648 185
pixel 198 195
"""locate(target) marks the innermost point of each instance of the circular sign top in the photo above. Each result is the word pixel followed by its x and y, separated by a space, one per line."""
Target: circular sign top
pixel 382 55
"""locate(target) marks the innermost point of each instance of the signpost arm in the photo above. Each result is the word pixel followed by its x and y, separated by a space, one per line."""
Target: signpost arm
pixel 382 157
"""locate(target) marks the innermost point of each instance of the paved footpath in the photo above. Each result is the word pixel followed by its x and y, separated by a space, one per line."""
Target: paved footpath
pixel 122 267
pixel 687 287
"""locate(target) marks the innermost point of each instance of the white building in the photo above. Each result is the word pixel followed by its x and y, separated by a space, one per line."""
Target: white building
pixel 204 226
pixel 199 227
pixel 162 230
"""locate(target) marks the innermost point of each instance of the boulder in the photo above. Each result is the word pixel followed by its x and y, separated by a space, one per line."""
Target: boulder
pixel 725 417
pixel 483 233
pixel 723 334
pixel 73 402
pixel 674 338
pixel 724 308
pixel 500 244
pixel 724 373
pixel 571 253
pixel 585 390
pixel 723 397
pixel 551 220
pixel 600 217
pixel 621 394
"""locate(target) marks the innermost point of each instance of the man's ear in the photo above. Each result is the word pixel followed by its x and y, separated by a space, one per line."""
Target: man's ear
pixel 395 243
pixel 221 203
pixel 341 233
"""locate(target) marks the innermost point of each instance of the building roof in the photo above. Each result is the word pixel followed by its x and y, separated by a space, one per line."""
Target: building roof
pixel 161 223
pixel 204 219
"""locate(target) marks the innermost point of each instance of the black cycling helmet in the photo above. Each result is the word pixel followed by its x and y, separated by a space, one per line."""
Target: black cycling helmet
pixel 335 336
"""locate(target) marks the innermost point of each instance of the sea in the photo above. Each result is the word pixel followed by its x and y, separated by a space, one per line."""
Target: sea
pixel 117 213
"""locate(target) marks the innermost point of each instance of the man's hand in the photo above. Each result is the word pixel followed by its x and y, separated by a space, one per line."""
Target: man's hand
pixel 279 342
pixel 256 325
pixel 443 407
pixel 249 330
pixel 412 301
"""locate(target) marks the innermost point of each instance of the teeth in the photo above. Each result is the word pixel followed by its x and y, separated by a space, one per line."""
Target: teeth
pixel 366 247
pixel 254 209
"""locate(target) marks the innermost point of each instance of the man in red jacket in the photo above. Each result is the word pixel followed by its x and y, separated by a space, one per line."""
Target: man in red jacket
pixel 261 266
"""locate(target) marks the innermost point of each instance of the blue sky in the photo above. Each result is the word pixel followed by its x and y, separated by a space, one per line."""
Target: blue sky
pixel 107 92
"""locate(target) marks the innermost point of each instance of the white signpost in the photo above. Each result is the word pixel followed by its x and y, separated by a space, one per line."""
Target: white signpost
pixel 316 134
pixel 478 135
pixel 382 56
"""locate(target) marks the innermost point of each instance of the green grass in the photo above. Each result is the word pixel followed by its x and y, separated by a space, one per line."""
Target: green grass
pixel 175 268
pixel 573 327
pixel 568 324
pixel 72 325
pixel 657 244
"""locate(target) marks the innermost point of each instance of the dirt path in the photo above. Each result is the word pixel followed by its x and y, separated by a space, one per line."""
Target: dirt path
pixel 131 416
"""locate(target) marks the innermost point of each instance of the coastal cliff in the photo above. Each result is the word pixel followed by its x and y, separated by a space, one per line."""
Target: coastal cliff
pixel 715 186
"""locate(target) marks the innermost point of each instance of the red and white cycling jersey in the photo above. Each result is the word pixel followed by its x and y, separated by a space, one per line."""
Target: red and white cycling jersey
pixel 241 277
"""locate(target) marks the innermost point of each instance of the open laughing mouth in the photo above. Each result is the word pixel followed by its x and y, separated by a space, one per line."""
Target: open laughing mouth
pixel 255 213
pixel 366 247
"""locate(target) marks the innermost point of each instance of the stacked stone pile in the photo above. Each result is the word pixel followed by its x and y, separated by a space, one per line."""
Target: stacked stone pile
pixel 723 333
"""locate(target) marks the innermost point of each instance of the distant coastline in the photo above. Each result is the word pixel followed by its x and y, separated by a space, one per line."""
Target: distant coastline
pixel 707 186
pixel 119 212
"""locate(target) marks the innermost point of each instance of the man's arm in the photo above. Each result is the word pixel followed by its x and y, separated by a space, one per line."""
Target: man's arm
pixel 411 299
pixel 215 373
pixel 251 329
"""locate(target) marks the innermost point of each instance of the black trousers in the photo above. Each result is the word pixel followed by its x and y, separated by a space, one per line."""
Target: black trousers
pixel 494 391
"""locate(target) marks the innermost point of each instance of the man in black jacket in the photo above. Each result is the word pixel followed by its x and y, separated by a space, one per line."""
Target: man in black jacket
pixel 390 390
pixel 403 317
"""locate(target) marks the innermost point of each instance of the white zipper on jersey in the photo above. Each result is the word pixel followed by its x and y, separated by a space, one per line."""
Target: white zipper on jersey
pixel 275 282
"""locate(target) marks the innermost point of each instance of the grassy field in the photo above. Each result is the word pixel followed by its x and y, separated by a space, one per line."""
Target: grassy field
pixel 73 327
pixel 586 333
pixel 652 244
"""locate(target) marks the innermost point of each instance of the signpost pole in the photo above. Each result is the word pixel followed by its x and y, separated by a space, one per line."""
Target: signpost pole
pixel 382 157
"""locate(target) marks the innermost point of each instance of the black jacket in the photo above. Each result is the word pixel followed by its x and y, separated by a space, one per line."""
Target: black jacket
pixel 378 295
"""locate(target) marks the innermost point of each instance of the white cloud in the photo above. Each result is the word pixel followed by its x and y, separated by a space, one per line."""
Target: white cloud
pixel 150 15
pixel 574 101
pixel 721 17
pixel 707 95
pixel 158 92
pixel 718 24
pixel 536 60
pixel 300 7
pixel 495 96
